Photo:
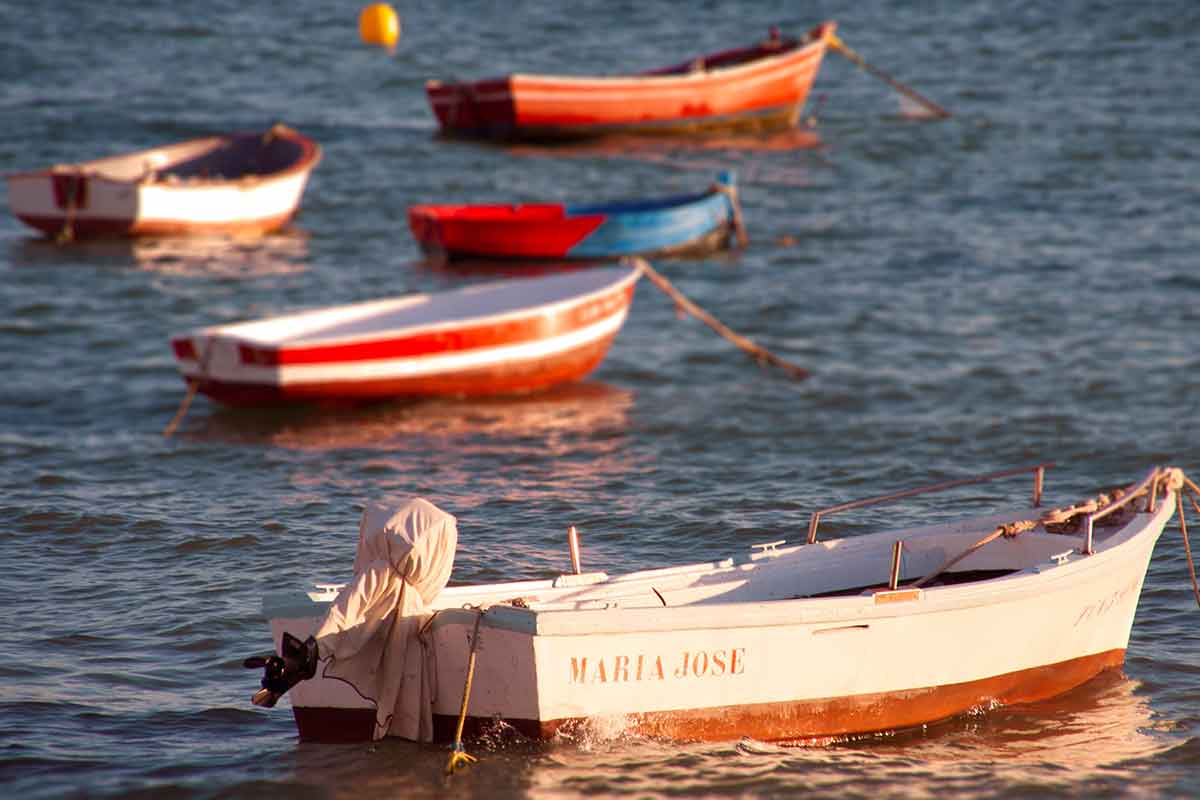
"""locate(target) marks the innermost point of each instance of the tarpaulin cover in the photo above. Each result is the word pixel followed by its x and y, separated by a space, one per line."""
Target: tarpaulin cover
pixel 370 636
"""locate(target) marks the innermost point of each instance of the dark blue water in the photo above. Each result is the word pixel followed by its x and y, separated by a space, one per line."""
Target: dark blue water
pixel 1015 284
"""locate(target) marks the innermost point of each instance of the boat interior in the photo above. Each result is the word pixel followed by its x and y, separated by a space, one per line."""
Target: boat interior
pixel 960 554
pixel 230 157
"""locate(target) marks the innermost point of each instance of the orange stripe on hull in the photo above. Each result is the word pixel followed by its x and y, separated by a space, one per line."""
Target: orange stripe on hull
pixel 777 722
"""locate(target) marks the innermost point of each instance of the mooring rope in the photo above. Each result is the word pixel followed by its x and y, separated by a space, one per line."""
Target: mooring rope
pixel 739 227
pixel 1188 484
pixel 193 385
pixel 760 354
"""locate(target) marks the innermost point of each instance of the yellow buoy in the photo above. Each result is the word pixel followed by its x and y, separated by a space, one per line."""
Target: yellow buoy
pixel 379 25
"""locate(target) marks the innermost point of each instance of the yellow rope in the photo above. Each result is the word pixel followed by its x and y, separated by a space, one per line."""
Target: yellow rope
pixel 459 757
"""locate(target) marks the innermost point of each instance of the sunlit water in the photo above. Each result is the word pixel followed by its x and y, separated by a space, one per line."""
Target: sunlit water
pixel 1015 284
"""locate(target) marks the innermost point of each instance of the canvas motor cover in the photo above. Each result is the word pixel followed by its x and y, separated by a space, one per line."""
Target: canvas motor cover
pixel 370 635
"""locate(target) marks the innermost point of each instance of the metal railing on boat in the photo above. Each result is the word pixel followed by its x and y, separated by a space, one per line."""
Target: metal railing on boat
pixel 1038 470
pixel 1151 481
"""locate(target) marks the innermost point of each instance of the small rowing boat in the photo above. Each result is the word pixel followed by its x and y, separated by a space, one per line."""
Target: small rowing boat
pixel 504 337
pixel 810 642
pixel 761 87
pixel 684 224
pixel 237 183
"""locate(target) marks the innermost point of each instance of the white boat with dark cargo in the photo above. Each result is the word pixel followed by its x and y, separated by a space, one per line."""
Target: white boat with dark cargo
pixel 242 183
pixel 804 643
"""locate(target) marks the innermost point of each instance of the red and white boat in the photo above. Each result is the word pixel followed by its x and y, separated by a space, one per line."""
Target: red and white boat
pixel 827 639
pixel 761 87
pixel 239 183
pixel 498 338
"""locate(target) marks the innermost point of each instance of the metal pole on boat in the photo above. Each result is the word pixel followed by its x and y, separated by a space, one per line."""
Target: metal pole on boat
pixel 573 544
pixel 894 576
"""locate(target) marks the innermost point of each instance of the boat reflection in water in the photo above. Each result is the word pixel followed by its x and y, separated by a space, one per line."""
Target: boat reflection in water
pixel 648 147
pixel 1082 739
pixel 461 270
pixel 555 417
pixel 256 256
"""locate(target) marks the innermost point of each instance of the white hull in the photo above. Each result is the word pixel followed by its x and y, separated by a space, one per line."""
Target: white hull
pixel 498 338
pixel 139 194
pixel 717 651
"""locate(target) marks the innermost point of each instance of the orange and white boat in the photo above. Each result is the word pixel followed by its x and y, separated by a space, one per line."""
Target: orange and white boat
pixel 497 338
pixel 808 642
pixel 762 87
pixel 238 183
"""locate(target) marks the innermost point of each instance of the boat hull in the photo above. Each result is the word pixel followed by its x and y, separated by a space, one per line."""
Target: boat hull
pixel 486 349
pixel 811 721
pixel 621 657
pixel 696 224
pixel 756 89
pixel 142 194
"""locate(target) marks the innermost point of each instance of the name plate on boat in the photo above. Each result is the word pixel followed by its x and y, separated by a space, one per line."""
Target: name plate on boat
pixel 897 596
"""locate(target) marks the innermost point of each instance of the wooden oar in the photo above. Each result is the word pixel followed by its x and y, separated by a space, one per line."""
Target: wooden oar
pixel 838 45
pixel 760 354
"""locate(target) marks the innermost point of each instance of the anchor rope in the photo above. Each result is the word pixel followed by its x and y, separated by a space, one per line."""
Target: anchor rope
pixel 1187 546
pixel 757 352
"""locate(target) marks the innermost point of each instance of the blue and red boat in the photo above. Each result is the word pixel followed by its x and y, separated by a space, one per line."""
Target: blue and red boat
pixel 680 225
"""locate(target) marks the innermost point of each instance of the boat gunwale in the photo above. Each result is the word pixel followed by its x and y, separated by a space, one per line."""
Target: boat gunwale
pixel 226 332
pixel 800 50
pixel 310 156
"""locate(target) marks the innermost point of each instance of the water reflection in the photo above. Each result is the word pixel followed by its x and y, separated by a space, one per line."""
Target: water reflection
pixel 641 147
pixel 454 268
pixel 1078 743
pixel 219 256
pixel 750 154
pixel 579 409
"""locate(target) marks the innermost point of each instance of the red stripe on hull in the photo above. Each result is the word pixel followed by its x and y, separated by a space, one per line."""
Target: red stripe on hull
pixel 778 722
pixel 91 227
pixel 520 330
pixel 506 378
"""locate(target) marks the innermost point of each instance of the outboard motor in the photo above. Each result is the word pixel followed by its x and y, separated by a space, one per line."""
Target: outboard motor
pixel 297 661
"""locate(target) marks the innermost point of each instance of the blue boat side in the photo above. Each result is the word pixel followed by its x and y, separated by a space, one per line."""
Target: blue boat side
pixel 650 226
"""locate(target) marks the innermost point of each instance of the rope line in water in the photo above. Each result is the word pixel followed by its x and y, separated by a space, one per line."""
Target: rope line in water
pixel 759 353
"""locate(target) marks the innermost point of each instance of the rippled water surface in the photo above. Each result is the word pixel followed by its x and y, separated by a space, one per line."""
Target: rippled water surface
pixel 1017 283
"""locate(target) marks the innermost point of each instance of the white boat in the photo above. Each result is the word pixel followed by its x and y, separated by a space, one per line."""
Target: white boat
pixel 239 183
pixel 803 643
pixel 503 337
